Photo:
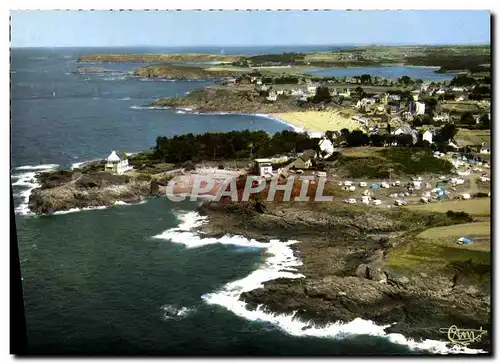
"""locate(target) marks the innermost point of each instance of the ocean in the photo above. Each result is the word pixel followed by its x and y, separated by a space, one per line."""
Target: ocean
pixel 135 279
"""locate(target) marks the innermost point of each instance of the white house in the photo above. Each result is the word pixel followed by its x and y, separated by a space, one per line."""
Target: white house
pixel 311 89
pixel 428 136
pixel 484 149
pixel 264 167
pixel 420 108
pixel 326 147
pixel 272 96
pixel 117 163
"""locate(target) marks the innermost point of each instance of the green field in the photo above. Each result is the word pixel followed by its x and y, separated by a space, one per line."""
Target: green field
pixel 478 206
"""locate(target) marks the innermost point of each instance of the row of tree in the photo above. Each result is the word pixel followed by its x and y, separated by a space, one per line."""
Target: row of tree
pixel 358 138
pixel 230 145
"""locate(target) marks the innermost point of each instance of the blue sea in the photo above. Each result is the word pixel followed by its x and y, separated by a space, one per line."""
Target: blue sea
pixel 135 279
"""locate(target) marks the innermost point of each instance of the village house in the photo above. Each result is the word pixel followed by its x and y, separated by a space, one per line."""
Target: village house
pixel 273 96
pixel 304 161
pixel 485 149
pixel 345 93
pixel 117 163
pixel 403 129
pixel 462 96
pixel 264 167
pixel 428 135
pixel 444 117
pixel 419 108
pixel 326 147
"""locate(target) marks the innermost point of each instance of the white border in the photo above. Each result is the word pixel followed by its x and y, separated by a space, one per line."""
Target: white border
pixel 184 4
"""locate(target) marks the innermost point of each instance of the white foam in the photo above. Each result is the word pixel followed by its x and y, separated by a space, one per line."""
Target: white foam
pixel 76 209
pixel 281 263
pixel 38 167
pixel 139 107
pixel 173 312
pixel 28 181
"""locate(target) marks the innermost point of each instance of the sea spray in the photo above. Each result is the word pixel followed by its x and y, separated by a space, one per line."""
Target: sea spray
pixel 281 262
pixel 28 182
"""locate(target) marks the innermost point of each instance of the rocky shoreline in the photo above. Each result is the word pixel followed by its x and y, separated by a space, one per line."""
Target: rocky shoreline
pixel 232 99
pixel 344 253
pixel 65 190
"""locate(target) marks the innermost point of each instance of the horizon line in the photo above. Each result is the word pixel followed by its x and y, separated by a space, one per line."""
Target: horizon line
pixel 259 45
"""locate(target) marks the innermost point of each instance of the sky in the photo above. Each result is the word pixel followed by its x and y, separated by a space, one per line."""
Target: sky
pixel 36 28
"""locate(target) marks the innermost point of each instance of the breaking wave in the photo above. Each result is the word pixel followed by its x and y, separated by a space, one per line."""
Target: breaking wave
pixel 282 263
pixel 140 107
pixel 38 167
pixel 76 209
pixel 27 182
pixel 173 312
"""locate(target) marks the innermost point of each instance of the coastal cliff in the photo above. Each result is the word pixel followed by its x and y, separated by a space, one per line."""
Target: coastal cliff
pixel 167 71
pixel 350 264
pixel 230 99
pixel 65 190
pixel 135 58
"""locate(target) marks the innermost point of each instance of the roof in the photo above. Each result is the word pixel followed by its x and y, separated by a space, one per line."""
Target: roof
pixel 113 157
pixel 263 160
pixel 308 154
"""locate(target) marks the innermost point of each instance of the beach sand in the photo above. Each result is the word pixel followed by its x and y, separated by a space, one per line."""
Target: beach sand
pixel 317 121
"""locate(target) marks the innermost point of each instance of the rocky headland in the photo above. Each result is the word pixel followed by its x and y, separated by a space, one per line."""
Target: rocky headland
pixel 350 263
pixel 232 99
pixel 176 72
pixel 147 58
pixel 64 190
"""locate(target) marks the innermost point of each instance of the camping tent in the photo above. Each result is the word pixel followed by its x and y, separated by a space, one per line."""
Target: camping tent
pixel 464 240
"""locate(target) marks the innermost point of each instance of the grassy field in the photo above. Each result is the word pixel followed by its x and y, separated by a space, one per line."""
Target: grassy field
pixel 453 232
pixel 478 206
pixel 386 162
pixel 461 107
pixel 473 137
pixel 314 121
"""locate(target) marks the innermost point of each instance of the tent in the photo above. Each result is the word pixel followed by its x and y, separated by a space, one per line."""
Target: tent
pixel 464 240
pixel 375 185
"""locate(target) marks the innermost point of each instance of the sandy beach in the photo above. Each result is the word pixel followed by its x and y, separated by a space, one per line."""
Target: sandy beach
pixel 317 121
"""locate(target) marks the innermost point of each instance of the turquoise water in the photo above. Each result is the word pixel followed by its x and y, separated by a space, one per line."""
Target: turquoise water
pixel 389 72
pixel 98 282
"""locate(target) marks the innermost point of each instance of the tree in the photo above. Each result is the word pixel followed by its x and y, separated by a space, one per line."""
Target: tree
pixel 377 140
pixel 430 105
pixel 405 80
pixel 446 133
pixel 366 79
pixel 404 140
pixel 357 138
pixel 388 128
pixel 468 119
pixel 485 121
pixel 359 92
pixel 322 95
